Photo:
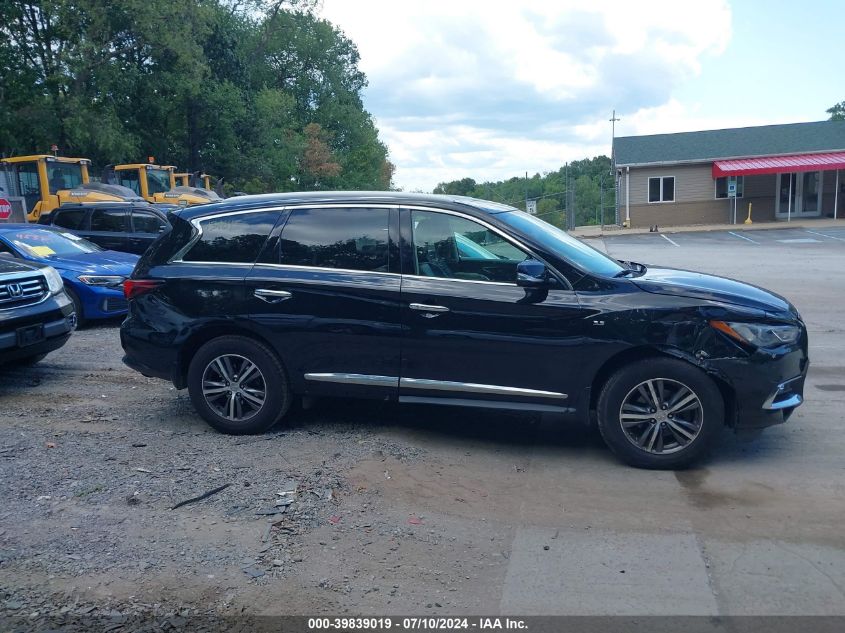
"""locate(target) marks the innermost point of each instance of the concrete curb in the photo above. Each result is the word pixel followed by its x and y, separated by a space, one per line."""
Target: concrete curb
pixel 597 232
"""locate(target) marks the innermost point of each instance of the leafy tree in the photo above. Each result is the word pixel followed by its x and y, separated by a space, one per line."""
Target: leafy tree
pixel 837 112
pixel 230 87
pixel 575 191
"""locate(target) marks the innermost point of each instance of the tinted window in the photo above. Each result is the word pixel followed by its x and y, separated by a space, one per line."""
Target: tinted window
pixel 73 219
pixel 353 238
pixel 654 189
pixel 457 248
pixel 63 176
pixel 158 181
pixel 146 222
pixel 233 238
pixel 129 178
pixel 108 220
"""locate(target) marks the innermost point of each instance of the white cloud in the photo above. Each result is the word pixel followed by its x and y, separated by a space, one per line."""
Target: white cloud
pixel 492 89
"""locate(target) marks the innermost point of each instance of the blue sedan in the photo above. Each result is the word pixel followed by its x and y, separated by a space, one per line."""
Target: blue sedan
pixel 93 277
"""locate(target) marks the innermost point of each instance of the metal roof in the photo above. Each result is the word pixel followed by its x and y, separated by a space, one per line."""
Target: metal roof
pixel 743 142
pixel 778 164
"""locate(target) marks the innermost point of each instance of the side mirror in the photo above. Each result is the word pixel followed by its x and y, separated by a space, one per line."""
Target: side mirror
pixel 531 273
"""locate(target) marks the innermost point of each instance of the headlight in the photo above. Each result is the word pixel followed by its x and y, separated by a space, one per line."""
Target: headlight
pixel 54 279
pixel 759 334
pixel 109 281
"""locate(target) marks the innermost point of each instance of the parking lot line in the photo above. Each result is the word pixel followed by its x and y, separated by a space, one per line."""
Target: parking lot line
pixel 742 237
pixel 670 240
pixel 825 235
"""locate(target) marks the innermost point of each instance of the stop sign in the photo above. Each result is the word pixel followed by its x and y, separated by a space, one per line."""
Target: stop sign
pixel 5 209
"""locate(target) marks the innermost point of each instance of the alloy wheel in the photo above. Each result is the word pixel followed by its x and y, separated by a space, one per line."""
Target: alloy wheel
pixel 661 416
pixel 234 387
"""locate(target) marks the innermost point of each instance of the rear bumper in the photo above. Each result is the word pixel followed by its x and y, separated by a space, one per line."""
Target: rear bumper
pixel 144 353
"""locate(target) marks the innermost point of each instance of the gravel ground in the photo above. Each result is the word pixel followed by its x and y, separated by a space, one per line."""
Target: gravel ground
pixel 368 509
pixel 94 457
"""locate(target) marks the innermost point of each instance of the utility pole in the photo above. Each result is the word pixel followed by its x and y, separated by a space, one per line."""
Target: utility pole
pixel 526 192
pixel 613 119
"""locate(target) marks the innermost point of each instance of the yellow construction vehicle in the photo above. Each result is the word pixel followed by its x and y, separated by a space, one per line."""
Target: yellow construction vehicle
pixel 44 182
pixel 197 179
pixel 157 184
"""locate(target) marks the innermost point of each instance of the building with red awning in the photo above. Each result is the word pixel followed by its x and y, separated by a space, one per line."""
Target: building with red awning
pixel 710 177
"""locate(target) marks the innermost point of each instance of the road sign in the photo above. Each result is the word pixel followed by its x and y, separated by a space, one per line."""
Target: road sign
pixel 5 209
pixel 531 206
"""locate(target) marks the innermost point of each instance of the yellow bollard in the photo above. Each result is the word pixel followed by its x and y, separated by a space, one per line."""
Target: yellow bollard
pixel 748 219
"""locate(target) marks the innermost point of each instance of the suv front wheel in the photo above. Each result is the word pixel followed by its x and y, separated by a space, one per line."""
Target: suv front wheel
pixel 238 385
pixel 660 413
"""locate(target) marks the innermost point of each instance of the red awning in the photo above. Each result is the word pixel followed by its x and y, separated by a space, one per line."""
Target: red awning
pixel 778 164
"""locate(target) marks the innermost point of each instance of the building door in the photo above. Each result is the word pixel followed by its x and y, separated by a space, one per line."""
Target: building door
pixel 799 195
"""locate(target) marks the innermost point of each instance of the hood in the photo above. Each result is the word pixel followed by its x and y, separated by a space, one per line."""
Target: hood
pixel 11 266
pixel 102 263
pixel 685 283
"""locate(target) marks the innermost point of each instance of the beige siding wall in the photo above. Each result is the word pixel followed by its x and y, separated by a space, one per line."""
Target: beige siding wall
pixel 695 197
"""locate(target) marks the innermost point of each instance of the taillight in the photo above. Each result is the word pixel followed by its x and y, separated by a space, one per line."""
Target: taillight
pixel 136 287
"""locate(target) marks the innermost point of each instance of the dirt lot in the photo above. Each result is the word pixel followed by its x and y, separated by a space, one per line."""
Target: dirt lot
pixel 368 509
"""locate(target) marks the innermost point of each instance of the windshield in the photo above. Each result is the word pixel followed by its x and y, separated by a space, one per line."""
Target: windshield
pixel 45 243
pixel 158 180
pixel 63 176
pixel 559 242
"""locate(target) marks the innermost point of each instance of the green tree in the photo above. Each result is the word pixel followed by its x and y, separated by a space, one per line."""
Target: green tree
pixel 837 112
pixel 225 86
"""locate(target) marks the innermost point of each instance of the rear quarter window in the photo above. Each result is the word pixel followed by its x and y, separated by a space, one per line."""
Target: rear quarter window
pixel 232 238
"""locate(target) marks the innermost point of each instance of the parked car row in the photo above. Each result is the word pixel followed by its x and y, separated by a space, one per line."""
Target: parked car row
pixel 439 300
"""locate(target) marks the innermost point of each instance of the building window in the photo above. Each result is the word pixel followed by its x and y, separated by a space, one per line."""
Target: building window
pixel 723 185
pixel 661 189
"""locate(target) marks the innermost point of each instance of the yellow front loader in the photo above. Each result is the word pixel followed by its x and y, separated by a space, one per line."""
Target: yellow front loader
pixel 45 182
pixel 157 184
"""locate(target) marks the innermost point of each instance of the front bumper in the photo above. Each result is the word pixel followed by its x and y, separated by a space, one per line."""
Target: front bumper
pixel 55 315
pixel 767 387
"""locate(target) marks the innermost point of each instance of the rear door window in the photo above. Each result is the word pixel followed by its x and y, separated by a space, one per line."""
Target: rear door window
pixel 146 222
pixel 346 238
pixel 108 220
pixel 73 219
pixel 232 238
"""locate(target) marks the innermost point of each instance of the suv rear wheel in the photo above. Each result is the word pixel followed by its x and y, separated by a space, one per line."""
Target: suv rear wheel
pixel 660 413
pixel 238 385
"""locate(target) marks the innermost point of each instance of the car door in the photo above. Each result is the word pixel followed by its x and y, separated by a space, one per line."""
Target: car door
pixel 326 293
pixel 109 228
pixel 470 333
pixel 145 226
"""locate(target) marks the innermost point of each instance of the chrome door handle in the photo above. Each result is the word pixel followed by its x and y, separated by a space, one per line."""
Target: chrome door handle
pixel 272 296
pixel 429 311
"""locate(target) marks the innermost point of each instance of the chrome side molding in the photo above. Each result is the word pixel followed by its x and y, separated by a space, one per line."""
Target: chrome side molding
pixel 355 379
pixel 433 385
pixel 472 387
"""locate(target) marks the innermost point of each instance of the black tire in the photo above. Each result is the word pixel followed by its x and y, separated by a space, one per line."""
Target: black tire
pixel 703 422
pixel 77 308
pixel 255 419
pixel 29 360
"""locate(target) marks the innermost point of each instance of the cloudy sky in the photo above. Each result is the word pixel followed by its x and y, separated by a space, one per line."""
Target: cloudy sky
pixel 492 89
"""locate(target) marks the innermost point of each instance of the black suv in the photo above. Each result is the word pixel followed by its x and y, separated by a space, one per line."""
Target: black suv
pixel 36 316
pixel 116 226
pixel 453 301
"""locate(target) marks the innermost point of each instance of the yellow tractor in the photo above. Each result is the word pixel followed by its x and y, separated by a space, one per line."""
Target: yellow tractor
pixel 43 182
pixel 197 179
pixel 157 184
